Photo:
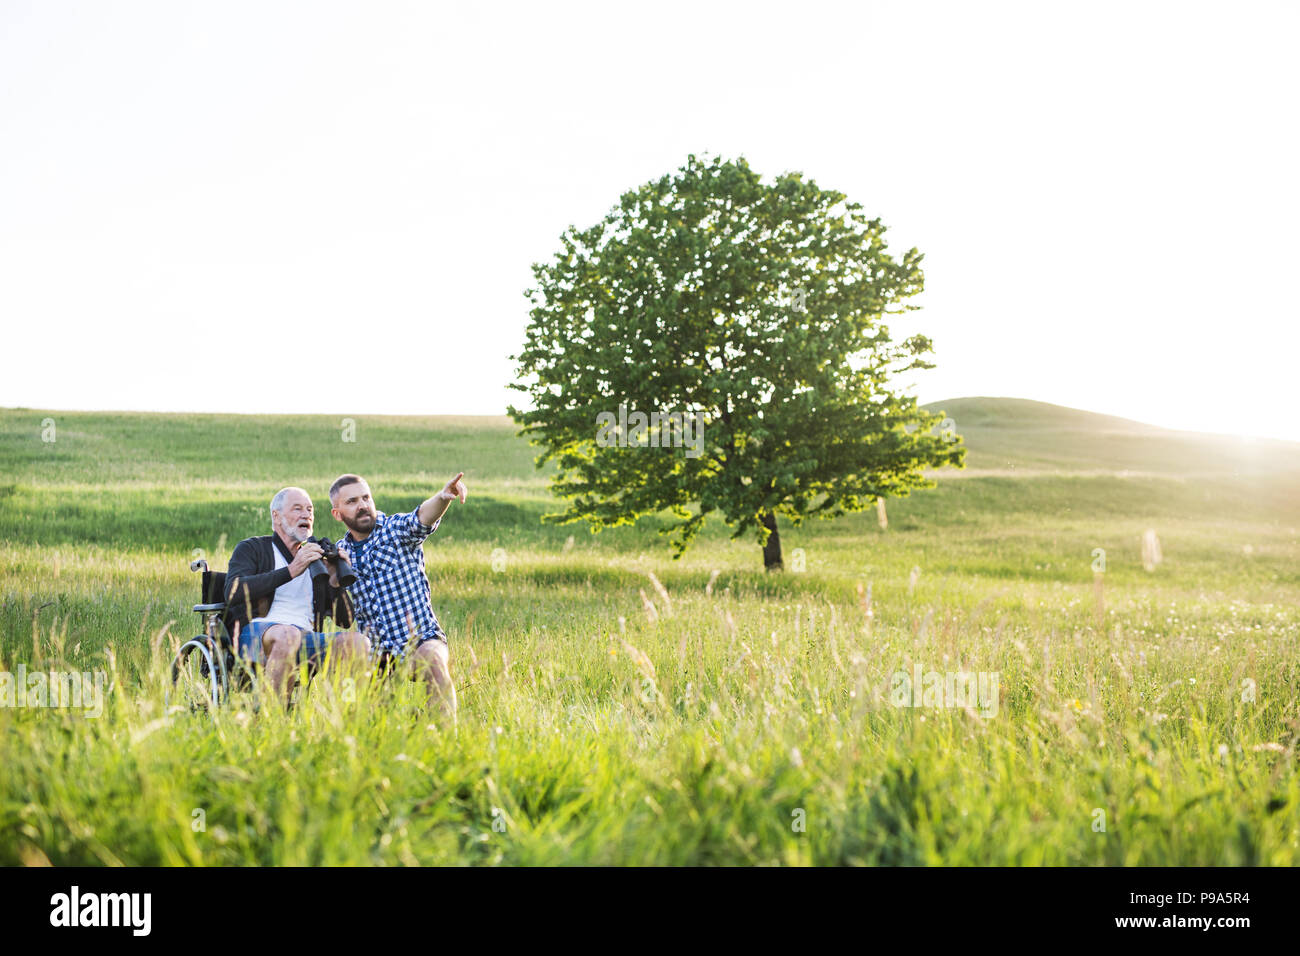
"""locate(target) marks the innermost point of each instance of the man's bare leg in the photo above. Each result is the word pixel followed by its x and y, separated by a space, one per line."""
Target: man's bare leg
pixel 349 655
pixel 280 651
pixel 431 663
pixel 350 650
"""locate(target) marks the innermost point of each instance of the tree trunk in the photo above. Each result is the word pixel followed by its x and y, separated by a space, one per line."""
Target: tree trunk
pixel 772 550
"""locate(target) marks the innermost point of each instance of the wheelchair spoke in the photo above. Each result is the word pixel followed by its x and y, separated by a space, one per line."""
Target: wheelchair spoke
pixel 197 678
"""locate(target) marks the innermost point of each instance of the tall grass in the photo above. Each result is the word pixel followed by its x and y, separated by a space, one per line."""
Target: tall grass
pixel 748 720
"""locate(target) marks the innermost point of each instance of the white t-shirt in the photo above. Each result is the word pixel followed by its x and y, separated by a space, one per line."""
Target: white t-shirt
pixel 292 602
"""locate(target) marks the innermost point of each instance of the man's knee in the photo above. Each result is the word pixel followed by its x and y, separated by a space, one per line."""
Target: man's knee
pixel 282 640
pixel 352 644
pixel 432 657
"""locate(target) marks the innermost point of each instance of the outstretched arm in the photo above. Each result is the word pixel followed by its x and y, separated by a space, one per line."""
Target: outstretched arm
pixel 434 508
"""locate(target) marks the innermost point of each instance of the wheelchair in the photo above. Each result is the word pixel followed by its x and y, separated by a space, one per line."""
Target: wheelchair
pixel 207 668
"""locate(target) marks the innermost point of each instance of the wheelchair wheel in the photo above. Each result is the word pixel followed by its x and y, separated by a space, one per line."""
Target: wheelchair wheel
pixel 199 679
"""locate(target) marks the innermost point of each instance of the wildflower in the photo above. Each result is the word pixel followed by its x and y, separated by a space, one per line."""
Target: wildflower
pixel 1150 550
pixel 708 588
pixel 652 615
pixel 662 592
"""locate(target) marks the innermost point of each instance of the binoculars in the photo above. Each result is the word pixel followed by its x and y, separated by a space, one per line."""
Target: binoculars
pixel 330 552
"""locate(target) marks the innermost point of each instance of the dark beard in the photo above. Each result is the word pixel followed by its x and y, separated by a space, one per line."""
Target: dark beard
pixel 355 524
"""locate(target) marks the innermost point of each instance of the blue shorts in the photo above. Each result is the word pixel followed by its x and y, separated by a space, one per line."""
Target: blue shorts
pixel 312 649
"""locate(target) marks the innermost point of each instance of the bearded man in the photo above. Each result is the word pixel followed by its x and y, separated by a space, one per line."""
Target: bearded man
pixel 391 596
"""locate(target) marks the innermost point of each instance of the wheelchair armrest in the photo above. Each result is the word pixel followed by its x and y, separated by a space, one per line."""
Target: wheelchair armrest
pixel 201 608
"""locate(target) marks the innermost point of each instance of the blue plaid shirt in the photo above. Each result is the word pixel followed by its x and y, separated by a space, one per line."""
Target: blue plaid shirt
pixel 391 595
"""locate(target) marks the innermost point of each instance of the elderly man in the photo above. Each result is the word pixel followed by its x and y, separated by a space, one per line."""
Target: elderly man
pixel 391 593
pixel 276 604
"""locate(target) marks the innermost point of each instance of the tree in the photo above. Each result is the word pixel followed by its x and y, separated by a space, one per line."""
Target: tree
pixel 752 312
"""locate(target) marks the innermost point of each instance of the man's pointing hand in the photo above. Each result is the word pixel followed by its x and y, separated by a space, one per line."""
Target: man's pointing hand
pixel 456 489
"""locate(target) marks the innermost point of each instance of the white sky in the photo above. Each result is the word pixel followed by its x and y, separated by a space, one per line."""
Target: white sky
pixel 212 206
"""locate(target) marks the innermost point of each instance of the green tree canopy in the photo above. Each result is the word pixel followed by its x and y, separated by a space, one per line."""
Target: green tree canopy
pixel 757 312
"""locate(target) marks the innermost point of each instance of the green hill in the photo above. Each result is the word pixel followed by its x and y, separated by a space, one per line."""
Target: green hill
pixel 165 480
pixel 1003 435
pixel 1015 434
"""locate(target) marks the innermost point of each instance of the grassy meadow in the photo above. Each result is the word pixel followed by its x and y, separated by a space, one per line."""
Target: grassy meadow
pixel 1145 716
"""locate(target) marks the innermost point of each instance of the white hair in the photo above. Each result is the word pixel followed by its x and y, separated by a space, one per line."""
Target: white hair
pixel 277 503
